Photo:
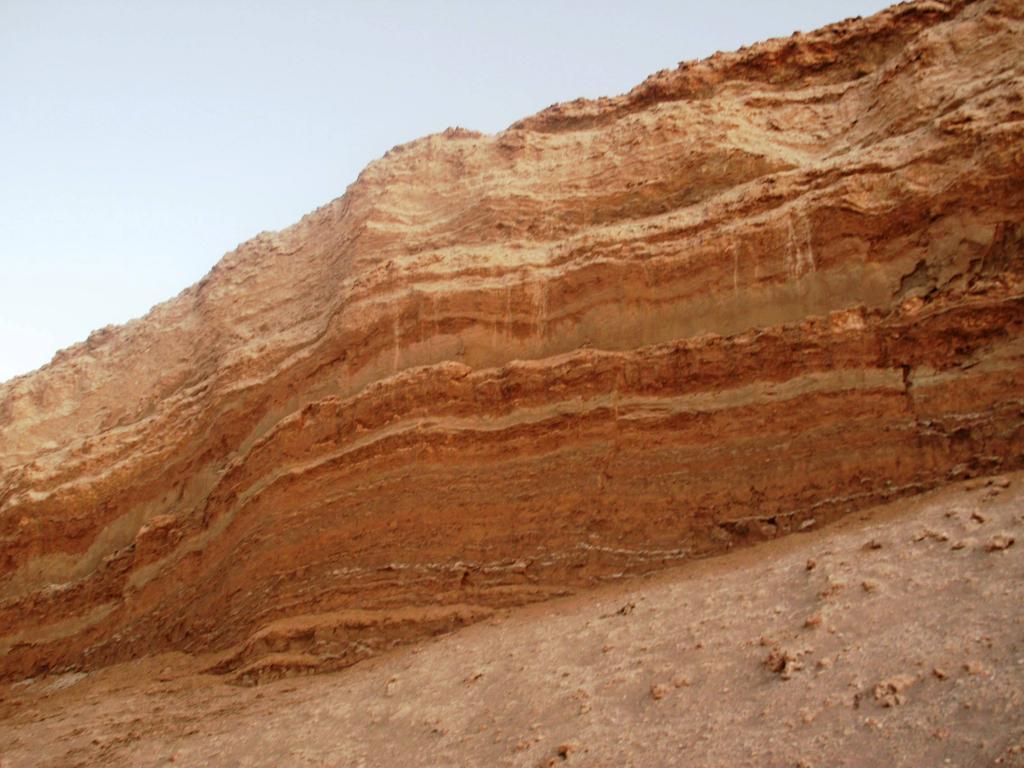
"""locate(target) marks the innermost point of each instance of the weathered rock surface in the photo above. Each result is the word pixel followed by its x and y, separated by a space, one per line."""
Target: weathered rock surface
pixel 747 297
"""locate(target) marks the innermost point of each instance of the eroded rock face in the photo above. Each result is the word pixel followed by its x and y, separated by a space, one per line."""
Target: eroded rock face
pixel 752 294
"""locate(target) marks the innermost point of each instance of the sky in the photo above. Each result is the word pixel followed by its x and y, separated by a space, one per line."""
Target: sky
pixel 142 140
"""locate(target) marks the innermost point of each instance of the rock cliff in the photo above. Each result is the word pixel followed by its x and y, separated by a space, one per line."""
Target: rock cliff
pixel 751 295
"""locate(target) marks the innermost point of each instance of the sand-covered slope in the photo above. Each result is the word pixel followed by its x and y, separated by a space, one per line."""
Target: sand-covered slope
pixel 892 638
pixel 752 295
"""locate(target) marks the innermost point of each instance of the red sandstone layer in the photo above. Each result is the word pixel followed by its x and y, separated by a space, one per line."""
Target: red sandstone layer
pixel 749 296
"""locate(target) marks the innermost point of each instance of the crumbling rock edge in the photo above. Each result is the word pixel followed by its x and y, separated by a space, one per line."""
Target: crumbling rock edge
pixel 751 296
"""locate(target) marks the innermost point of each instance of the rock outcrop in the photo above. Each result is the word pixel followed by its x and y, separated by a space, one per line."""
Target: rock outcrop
pixel 751 295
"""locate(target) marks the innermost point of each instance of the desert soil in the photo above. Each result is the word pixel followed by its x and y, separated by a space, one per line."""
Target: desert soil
pixel 894 637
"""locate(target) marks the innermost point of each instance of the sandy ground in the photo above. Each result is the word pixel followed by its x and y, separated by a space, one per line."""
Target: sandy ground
pixel 894 638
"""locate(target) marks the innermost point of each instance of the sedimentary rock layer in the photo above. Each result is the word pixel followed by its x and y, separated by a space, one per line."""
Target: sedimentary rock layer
pixel 752 294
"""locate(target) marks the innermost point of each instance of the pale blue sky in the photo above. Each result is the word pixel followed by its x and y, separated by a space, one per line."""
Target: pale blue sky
pixel 140 141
